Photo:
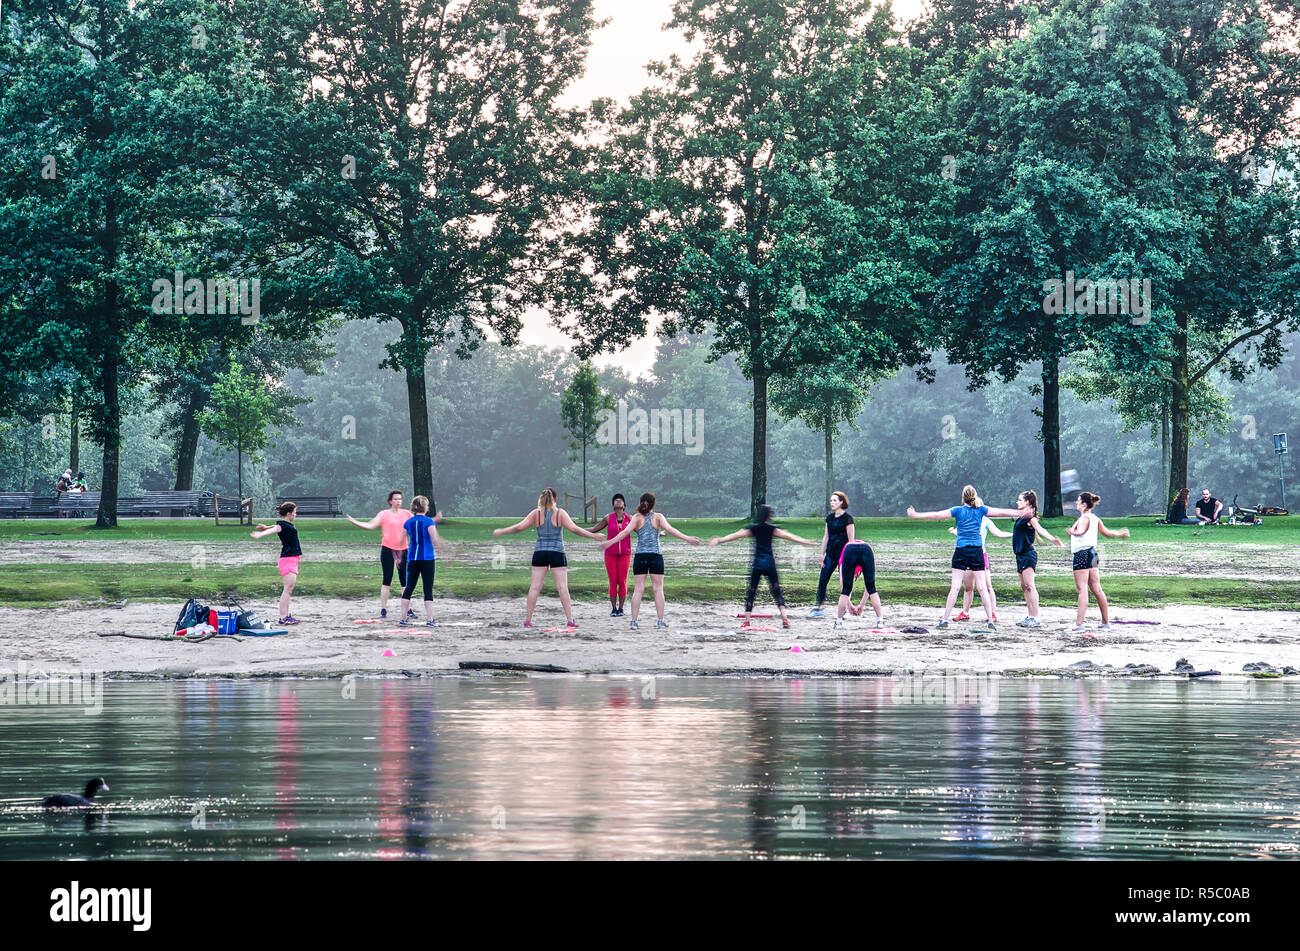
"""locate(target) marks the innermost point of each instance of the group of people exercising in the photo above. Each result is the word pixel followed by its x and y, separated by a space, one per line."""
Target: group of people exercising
pixel 410 537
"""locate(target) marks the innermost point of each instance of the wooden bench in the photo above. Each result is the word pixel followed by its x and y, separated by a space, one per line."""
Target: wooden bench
pixel 169 503
pixel 16 504
pixel 82 502
pixel 223 506
pixel 42 506
pixel 314 506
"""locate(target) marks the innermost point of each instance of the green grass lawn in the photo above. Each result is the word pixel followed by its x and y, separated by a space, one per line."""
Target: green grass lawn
pixel 1274 531
pixel 43 583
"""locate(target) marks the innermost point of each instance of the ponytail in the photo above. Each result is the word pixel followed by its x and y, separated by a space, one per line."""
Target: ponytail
pixel 1089 500
pixel 970 497
pixel 646 504
pixel 1031 499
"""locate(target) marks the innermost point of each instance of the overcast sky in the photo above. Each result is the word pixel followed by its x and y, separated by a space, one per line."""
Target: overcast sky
pixel 616 68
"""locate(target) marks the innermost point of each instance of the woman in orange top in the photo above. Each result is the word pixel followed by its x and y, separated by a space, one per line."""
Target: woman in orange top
pixel 392 552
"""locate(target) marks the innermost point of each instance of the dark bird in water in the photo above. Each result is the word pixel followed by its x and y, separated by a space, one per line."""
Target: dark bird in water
pixel 71 801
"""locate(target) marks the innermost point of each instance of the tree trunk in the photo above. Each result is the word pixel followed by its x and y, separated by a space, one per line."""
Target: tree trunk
pixel 421 456
pixel 187 449
pixel 1178 409
pixel 74 439
pixel 1052 438
pixel 584 478
pixel 239 456
pixel 1164 454
pixel 758 477
pixel 830 462
pixel 109 366
pixel 106 517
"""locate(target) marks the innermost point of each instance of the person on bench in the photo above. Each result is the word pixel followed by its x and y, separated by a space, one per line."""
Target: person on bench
pixel 63 485
pixel 1208 508
pixel 1178 510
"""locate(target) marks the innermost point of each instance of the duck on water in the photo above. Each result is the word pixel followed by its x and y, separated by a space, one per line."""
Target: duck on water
pixel 73 801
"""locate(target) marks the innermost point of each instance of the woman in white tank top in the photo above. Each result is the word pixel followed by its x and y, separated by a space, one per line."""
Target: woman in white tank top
pixel 1083 546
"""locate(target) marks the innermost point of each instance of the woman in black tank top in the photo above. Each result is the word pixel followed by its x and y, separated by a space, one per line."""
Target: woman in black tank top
pixel 764 561
pixel 1022 543
pixel 839 532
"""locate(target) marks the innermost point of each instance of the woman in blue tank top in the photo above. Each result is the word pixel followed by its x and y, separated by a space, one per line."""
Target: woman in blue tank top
pixel 648 560
pixel 548 553
pixel 969 553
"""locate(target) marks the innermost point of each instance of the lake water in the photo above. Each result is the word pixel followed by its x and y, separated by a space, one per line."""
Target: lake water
pixel 572 767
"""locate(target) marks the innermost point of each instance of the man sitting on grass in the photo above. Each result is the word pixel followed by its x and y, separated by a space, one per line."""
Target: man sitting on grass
pixel 1208 508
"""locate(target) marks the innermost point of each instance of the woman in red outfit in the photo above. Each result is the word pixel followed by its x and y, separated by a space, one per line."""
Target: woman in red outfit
pixel 617 557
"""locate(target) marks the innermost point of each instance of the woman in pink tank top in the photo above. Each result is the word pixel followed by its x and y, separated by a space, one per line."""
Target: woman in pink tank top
pixel 617 557
pixel 392 551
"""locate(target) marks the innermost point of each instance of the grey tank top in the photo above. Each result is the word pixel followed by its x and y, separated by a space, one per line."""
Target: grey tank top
pixel 550 536
pixel 647 537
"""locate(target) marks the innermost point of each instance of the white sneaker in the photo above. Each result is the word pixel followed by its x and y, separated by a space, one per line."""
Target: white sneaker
pixel 661 623
pixel 1077 629
pixel 633 625
pixel 839 623
pixel 1104 627
pixel 1033 622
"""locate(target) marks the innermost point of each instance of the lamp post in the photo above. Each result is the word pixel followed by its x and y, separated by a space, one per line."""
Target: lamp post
pixel 1279 447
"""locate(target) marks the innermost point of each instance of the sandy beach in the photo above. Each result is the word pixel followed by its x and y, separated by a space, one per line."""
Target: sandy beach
pixel 701 639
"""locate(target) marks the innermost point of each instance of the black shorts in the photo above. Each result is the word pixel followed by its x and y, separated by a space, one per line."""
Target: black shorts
pixel 1085 558
pixel 549 559
pixel 1028 560
pixel 968 558
pixel 650 563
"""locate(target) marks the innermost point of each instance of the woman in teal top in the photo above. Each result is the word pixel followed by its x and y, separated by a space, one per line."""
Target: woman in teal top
pixel 969 553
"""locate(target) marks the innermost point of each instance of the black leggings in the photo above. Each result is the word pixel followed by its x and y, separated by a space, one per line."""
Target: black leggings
pixel 389 558
pixel 763 569
pixel 415 571
pixel 854 556
pixel 829 566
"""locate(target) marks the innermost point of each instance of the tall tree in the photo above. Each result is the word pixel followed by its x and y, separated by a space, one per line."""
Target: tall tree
pixel 183 389
pixel 97 129
pixel 413 145
pixel 581 407
pixel 825 397
pixel 1029 182
pixel 1229 105
pixel 240 408
pixel 763 191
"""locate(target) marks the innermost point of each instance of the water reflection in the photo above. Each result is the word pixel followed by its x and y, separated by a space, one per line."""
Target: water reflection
pixel 632 767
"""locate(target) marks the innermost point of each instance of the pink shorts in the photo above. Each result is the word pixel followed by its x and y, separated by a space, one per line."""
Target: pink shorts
pixel 289 565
